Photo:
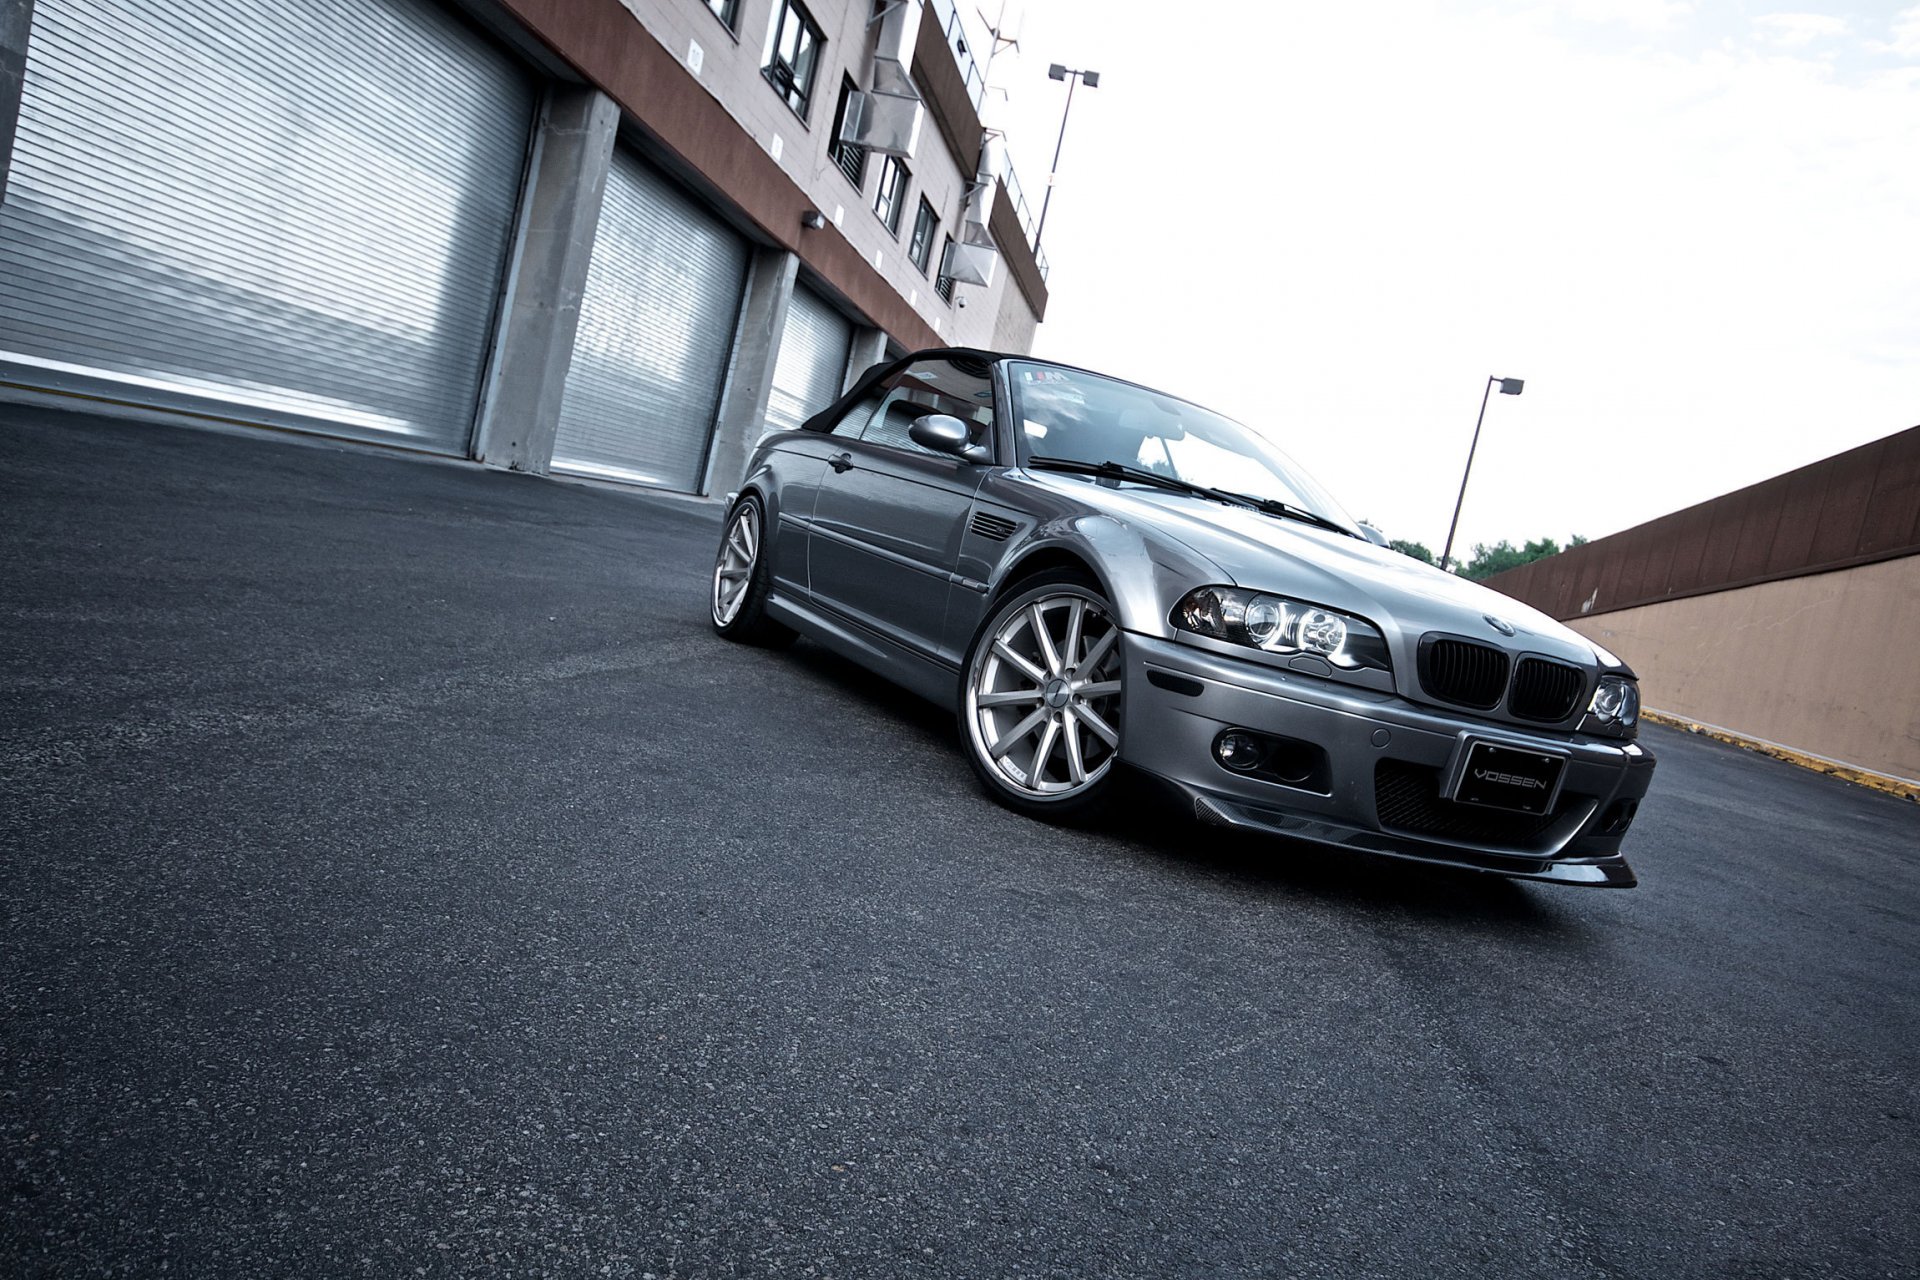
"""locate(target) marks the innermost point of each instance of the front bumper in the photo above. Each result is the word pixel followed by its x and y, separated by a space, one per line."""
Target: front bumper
pixel 1384 761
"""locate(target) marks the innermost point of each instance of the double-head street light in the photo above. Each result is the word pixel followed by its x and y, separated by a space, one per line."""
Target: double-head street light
pixel 1508 387
pixel 1072 77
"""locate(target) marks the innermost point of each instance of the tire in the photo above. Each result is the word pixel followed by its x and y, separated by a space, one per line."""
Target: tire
pixel 742 576
pixel 1039 725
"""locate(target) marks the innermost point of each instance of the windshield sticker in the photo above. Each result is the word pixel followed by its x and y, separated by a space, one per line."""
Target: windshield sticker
pixel 1044 375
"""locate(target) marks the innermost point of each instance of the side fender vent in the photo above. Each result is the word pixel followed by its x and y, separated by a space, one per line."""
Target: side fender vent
pixel 993 528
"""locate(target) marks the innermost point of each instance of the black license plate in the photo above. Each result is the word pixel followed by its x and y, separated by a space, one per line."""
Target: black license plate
pixel 1509 778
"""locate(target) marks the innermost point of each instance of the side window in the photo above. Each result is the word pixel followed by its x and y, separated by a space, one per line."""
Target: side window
pixel 925 223
pixel 854 421
pixel 960 388
pixel 793 55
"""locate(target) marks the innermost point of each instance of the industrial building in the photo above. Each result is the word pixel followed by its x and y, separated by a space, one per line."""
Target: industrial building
pixel 608 238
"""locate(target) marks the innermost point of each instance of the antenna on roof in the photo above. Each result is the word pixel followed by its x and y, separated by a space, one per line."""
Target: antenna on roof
pixel 996 29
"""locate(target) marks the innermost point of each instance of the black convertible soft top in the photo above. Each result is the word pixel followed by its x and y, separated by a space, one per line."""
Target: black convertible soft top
pixel 824 420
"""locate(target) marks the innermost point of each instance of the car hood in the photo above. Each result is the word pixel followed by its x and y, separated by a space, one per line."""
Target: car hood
pixel 1399 594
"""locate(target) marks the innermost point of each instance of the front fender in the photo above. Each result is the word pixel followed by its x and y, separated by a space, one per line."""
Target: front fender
pixel 1142 574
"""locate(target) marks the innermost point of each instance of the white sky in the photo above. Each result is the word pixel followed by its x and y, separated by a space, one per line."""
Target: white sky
pixel 1693 228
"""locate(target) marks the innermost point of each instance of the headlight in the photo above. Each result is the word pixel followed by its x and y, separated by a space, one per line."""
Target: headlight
pixel 1279 625
pixel 1616 700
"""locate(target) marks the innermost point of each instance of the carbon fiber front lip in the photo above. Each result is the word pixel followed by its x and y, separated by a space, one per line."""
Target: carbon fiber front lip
pixel 1611 872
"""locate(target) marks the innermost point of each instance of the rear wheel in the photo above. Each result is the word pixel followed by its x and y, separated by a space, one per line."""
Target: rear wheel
pixel 1041 697
pixel 741 576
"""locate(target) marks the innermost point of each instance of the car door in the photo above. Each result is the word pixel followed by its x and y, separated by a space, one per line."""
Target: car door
pixel 890 515
pixel 801 462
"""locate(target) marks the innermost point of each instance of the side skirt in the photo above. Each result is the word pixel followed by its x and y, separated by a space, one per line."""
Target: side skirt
pixel 933 680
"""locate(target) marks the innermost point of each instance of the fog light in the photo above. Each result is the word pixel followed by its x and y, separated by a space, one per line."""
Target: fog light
pixel 1239 751
pixel 1618 817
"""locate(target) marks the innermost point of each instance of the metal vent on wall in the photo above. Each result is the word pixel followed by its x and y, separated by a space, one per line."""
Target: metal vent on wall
pixel 852 161
pixel 847 155
pixel 969 264
pixel 886 119
pixel 887 124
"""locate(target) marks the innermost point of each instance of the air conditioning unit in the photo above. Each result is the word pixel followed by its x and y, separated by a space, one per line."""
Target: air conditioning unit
pixel 977 213
pixel 970 263
pixel 886 124
pixel 886 119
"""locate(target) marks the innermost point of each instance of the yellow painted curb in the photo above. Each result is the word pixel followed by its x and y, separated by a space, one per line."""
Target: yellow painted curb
pixel 1864 777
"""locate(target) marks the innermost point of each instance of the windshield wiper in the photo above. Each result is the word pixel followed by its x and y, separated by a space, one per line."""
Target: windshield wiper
pixel 1275 507
pixel 1116 471
pixel 1140 475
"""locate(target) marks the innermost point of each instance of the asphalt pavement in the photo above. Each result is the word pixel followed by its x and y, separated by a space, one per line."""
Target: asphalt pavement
pixel 400 879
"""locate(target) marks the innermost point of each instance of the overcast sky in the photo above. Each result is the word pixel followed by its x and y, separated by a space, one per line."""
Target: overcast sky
pixel 1692 228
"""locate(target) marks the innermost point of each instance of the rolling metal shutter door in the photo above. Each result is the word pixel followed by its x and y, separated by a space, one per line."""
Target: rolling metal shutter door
pixel 298 213
pixel 656 327
pixel 812 367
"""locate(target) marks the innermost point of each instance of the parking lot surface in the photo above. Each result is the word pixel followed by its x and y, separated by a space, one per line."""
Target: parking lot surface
pixel 400 879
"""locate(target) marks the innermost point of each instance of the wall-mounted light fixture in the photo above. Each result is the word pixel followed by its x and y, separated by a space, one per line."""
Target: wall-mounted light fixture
pixel 813 220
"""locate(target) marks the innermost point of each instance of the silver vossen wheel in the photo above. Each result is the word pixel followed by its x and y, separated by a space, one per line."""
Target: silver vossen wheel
pixel 733 568
pixel 1043 694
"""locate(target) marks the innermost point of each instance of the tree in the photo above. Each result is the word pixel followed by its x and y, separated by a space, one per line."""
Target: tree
pixel 1503 555
pixel 1418 550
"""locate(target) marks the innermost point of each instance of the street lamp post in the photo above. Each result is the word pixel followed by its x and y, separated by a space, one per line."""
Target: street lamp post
pixel 1072 77
pixel 1508 387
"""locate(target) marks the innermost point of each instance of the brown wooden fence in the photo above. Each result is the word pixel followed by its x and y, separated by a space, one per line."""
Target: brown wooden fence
pixel 1853 508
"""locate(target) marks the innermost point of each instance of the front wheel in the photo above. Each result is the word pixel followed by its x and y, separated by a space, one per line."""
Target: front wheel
pixel 1041 697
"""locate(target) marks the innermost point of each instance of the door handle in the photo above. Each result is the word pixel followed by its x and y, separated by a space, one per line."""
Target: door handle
pixel 841 461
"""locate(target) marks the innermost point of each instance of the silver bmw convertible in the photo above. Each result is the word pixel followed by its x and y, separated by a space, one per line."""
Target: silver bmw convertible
pixel 1101 579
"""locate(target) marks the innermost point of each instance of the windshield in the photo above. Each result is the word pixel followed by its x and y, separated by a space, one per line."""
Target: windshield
pixel 1084 417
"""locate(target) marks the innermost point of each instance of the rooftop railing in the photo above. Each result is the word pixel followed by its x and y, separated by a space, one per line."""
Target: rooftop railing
pixel 949 19
pixel 1025 215
pixel 956 37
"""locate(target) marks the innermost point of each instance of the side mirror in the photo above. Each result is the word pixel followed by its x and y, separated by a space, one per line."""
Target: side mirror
pixel 940 432
pixel 1374 536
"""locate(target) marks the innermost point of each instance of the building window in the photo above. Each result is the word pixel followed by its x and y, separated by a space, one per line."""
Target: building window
pixel 892 196
pixel 925 224
pixel 849 157
pixel 728 11
pixel 943 283
pixel 793 54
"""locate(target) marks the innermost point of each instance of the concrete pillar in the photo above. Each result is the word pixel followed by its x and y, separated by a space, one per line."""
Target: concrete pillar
pixel 743 405
pixel 869 349
pixel 16 20
pixel 559 214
